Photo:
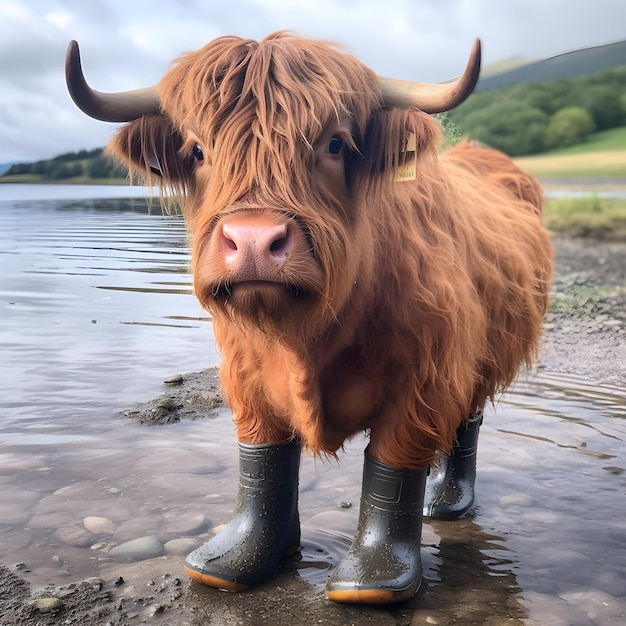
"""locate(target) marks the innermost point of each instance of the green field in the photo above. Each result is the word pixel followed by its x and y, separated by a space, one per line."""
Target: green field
pixel 613 139
pixel 602 155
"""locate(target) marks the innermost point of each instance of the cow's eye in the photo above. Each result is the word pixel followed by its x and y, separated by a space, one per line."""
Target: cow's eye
pixel 335 145
pixel 197 152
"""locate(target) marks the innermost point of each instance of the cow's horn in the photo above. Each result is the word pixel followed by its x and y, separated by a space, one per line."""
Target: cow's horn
pixel 108 107
pixel 431 97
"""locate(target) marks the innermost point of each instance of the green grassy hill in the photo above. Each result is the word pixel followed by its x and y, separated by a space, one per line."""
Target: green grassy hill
pixel 567 65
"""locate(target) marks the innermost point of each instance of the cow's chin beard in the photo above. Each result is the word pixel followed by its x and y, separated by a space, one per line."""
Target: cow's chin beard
pixel 269 306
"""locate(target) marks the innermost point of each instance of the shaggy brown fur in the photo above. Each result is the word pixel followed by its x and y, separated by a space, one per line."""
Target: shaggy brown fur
pixel 401 306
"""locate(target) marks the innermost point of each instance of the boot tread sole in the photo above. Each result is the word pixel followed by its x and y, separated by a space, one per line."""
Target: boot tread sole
pixel 371 596
pixel 214 581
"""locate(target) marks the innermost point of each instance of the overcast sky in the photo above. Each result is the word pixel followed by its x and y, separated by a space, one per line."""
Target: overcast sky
pixel 129 43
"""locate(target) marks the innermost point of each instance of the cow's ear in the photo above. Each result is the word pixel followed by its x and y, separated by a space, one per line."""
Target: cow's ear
pixel 150 146
pixel 397 140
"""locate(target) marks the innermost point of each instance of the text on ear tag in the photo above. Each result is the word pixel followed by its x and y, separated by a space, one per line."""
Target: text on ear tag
pixel 407 169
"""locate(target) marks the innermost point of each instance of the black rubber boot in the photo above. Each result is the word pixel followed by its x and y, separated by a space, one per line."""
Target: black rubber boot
pixel 265 529
pixel 450 485
pixel 383 565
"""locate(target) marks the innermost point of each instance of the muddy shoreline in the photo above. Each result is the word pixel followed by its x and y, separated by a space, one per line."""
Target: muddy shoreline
pixel 585 335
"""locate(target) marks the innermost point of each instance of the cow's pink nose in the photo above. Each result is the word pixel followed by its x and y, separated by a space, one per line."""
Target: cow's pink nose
pixel 271 240
pixel 256 251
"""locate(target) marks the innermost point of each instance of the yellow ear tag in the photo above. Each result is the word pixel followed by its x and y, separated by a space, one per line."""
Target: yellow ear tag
pixel 407 169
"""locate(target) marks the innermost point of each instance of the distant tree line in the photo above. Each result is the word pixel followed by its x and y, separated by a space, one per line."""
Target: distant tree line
pixel 84 163
pixel 531 118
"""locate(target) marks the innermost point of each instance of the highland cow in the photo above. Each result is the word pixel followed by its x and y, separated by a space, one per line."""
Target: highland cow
pixel 359 279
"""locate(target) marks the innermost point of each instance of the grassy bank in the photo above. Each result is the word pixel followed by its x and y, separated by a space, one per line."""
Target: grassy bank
pixel 602 156
pixel 587 217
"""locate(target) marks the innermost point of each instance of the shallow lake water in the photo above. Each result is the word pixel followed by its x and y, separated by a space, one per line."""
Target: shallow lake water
pixel 96 310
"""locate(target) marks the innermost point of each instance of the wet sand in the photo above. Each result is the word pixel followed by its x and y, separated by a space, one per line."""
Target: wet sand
pixel 585 336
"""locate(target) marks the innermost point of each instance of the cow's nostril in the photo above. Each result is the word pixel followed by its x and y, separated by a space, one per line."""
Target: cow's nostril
pixel 280 244
pixel 260 240
pixel 229 242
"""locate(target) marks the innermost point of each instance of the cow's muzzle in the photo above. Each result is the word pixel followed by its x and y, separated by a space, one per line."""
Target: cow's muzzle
pixel 254 250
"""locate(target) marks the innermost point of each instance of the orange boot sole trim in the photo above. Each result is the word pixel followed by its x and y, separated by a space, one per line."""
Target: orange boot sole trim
pixel 371 596
pixel 214 581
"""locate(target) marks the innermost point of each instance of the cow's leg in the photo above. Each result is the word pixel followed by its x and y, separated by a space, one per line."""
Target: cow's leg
pixel 265 529
pixel 450 485
pixel 383 564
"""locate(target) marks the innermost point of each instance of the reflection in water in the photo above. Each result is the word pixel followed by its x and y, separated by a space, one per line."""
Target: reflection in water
pixel 97 310
pixel 558 469
pixel 474 577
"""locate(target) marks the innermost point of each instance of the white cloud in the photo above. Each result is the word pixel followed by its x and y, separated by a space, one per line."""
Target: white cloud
pixel 60 19
pixel 13 10
pixel 153 37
